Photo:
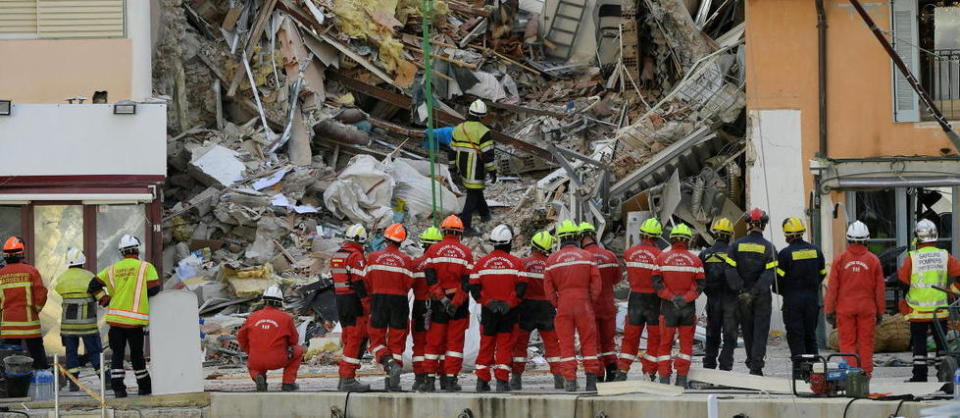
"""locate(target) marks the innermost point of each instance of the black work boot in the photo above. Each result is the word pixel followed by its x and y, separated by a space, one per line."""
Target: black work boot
pixel 483 386
pixel 503 386
pixel 119 388
pixel 681 381
pixel 429 384
pixel 621 376
pixel 653 377
pixel 557 381
pixel 261 381
pixel 591 382
pixel 516 382
pixel 351 384
pixel 443 382
pixel 417 381
pixel 665 379
pixel 570 385
pixel 289 387
pixel 144 386
pixel 74 387
pixel 611 375
pixel 452 385
pixel 757 372
pixel 392 382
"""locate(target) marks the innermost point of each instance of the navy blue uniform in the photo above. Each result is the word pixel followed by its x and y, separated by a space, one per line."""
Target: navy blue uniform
pixel 721 307
pixel 751 269
pixel 801 269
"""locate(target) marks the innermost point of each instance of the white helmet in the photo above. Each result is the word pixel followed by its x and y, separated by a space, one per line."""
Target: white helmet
pixel 274 293
pixel 501 235
pixel 478 108
pixel 75 257
pixel 857 232
pixel 926 231
pixel 128 242
pixel 357 233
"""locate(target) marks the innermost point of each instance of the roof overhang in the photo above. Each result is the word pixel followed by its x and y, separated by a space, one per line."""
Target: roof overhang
pixel 879 173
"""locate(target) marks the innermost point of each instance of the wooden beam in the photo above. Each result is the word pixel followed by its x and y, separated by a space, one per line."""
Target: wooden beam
pixel 638 386
pixel 746 381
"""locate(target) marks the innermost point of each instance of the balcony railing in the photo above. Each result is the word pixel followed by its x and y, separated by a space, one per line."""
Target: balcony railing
pixel 941 78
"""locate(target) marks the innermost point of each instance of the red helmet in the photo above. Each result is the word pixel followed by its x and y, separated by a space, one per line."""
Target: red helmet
pixel 396 233
pixel 756 216
pixel 13 246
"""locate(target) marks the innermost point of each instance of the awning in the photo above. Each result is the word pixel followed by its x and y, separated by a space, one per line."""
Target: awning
pixel 887 173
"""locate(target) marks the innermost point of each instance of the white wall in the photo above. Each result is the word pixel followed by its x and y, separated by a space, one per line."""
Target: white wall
pixel 49 139
pixel 139 32
pixel 775 181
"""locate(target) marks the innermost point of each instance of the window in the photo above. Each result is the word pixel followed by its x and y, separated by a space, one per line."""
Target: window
pixel 48 19
pixel 113 221
pixel 926 35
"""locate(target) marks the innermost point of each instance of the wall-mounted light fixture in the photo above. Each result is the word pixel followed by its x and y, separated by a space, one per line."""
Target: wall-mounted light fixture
pixel 125 107
pixel 6 106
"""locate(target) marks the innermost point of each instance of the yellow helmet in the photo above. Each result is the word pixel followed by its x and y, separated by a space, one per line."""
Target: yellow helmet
pixel 431 235
pixel 542 241
pixel 682 231
pixel 722 226
pixel 651 228
pixel 587 227
pixel 567 229
pixel 793 226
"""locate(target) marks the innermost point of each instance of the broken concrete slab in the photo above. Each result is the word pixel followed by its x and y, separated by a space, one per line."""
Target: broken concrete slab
pixel 216 165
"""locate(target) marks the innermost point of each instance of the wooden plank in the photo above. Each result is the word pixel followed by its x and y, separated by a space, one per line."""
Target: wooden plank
pixel 263 15
pixel 745 381
pixel 638 386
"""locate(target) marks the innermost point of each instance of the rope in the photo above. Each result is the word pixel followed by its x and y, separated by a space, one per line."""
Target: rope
pixel 89 391
pixel 426 7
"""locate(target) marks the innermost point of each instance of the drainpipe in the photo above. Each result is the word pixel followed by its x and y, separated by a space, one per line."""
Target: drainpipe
pixel 815 217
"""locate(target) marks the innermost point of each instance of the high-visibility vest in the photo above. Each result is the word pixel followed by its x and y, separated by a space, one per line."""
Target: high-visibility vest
pixel 79 307
pixel 469 149
pixel 929 271
pixel 126 282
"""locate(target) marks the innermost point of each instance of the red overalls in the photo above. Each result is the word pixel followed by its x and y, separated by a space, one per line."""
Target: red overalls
pixel 388 273
pixel 447 270
pixel 497 276
pixel 681 274
pixel 643 308
pixel 606 309
pixel 572 283
pixel 347 266
pixel 535 313
pixel 269 337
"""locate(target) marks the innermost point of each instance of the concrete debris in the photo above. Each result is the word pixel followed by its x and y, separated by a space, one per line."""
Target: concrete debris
pixel 290 120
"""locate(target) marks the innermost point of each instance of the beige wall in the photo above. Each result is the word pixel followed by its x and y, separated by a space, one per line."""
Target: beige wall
pixel 48 71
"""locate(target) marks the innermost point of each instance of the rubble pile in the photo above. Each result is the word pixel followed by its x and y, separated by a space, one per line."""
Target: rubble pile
pixel 291 119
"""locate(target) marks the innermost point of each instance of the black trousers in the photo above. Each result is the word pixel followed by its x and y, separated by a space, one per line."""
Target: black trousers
pixel 35 348
pixel 721 324
pixel 918 341
pixel 475 202
pixel 754 320
pixel 120 338
pixel 800 316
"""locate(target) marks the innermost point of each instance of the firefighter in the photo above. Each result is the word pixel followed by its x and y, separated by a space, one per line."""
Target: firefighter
pixel 801 269
pixel 679 282
pixel 79 319
pixel 447 273
pixel 22 300
pixel 496 284
pixel 419 319
pixel 572 282
pixel 388 273
pixel 751 270
pixel 130 283
pixel 721 302
pixel 606 308
pixel 473 160
pixel 353 305
pixel 536 313
pixel 269 337
pixel 855 298
pixel 643 308
pixel 923 268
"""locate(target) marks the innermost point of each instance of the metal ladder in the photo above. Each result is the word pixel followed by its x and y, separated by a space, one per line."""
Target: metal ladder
pixel 563 38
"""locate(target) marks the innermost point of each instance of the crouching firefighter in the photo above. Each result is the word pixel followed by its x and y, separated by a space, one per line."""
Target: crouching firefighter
pixel 679 283
pixel 497 286
pixel 269 337
pixel 353 304
pixel 536 313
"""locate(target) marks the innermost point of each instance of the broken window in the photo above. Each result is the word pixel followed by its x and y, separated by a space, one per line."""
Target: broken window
pixel 113 221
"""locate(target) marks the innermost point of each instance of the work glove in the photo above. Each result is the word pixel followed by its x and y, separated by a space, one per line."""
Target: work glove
pixel 879 318
pixel 745 298
pixel 831 319
pixel 678 301
pixel 448 306
pixel 498 306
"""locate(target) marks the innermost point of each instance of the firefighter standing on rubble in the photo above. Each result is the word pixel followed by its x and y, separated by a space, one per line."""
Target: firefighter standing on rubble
pixel 679 282
pixel 751 270
pixel 447 272
pixel 419 318
pixel 22 300
pixel 129 283
pixel 922 269
pixel 643 307
pixel 536 313
pixel 496 284
pixel 473 160
pixel 390 278
pixel 721 302
pixel 801 269
pixel 606 307
pixel 353 305
pixel 572 282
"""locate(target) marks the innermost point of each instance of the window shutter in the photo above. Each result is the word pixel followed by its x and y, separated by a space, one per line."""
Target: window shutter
pixel 18 18
pixel 80 18
pixel 906 102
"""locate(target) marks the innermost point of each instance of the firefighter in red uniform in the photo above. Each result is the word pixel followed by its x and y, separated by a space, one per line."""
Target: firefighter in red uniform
pixel 388 273
pixel 679 283
pixel 447 272
pixel 23 296
pixel 572 282
pixel 419 322
pixel 536 313
pixel 856 297
pixel 644 306
pixel 606 307
pixel 497 286
pixel 347 265
pixel 269 337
